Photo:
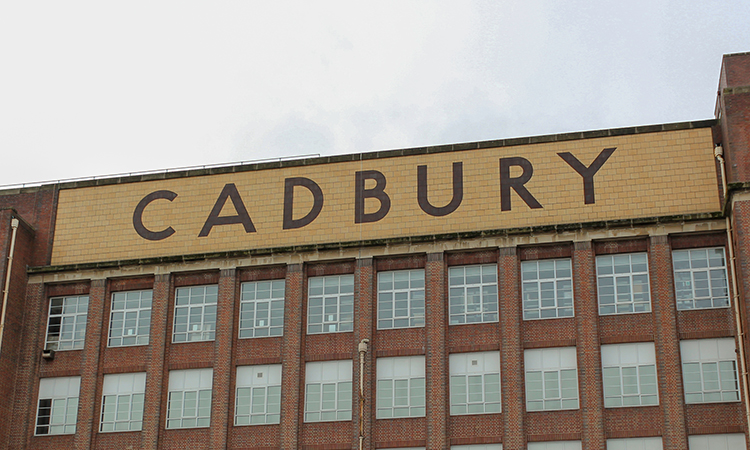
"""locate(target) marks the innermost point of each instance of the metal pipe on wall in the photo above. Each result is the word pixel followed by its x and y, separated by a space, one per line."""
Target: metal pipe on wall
pixel 719 154
pixel 6 287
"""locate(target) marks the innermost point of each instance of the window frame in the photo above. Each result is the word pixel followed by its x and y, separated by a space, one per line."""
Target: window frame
pixel 130 385
pixel 646 443
pixel 248 378
pixel 558 293
pixel 555 445
pixel 207 331
pixel 50 390
pixel 249 307
pixel 482 365
pixel 415 296
pixel 318 375
pixel 639 356
pixel 79 319
pixel 689 304
pixel 140 339
pixel 709 351
pixel 458 306
pixel 553 361
pixel 731 441
pixel 180 384
pixel 630 275
pixel 408 369
pixel 344 300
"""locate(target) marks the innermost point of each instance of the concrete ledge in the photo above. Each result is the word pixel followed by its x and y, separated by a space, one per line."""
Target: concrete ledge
pixel 505 232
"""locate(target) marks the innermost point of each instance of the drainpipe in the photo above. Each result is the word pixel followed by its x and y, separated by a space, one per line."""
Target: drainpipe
pixel 14 226
pixel 362 352
pixel 719 154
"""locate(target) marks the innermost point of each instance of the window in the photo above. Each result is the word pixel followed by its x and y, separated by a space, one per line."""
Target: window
pixel 262 309
pixel 407 448
pixel 734 441
pixel 330 304
pixel 629 375
pixel 66 326
pixel 700 278
pixel 195 313
pixel 328 391
pixel 547 289
pixel 473 294
pixel 189 398
pixel 478 447
pixel 475 383
pixel 122 402
pixel 555 445
pixel 551 379
pixel 130 319
pixel 401 388
pixel 649 443
pixel 623 283
pixel 709 370
pixel 401 299
pixel 258 398
pixel 58 405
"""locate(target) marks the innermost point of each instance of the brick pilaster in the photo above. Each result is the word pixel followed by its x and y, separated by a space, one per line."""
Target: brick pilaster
pixel 511 358
pixel 667 344
pixel 24 410
pixel 95 329
pixel 587 347
pixel 291 354
pixel 364 316
pixel 436 355
pixel 222 364
pixel 155 373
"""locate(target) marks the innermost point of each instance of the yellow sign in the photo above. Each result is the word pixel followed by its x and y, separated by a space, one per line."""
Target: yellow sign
pixel 638 175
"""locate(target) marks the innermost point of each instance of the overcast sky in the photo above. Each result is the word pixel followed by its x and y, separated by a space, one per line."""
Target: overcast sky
pixel 97 88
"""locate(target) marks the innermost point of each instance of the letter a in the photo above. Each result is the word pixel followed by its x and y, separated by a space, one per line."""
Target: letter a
pixel 229 191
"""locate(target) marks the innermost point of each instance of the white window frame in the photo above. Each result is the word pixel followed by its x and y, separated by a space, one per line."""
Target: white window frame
pixel 538 278
pixel 189 401
pixel 61 414
pixel 704 355
pixel 330 304
pixel 643 443
pixel 404 448
pixel 123 397
pixel 187 301
pixel 130 318
pixel 405 376
pixel 630 367
pixel 626 289
pixel 728 441
pixel 331 378
pixel 401 299
pixel 258 395
pixel 545 368
pixel 480 370
pixel 262 309
pixel 66 323
pixel 473 294
pixel 555 445
pixel 692 278
pixel 478 447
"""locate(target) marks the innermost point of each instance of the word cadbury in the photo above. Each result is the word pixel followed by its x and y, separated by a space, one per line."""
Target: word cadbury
pixel 229 192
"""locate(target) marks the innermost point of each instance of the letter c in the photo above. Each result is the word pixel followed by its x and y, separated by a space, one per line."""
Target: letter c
pixel 138 216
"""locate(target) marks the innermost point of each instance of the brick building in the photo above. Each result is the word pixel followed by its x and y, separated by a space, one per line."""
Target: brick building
pixel 575 291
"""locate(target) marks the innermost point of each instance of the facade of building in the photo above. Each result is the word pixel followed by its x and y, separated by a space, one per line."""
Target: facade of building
pixel 576 291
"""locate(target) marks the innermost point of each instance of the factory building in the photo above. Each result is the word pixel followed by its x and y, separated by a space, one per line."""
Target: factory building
pixel 575 291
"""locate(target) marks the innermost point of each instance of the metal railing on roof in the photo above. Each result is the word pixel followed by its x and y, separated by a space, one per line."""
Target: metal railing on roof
pixel 156 171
